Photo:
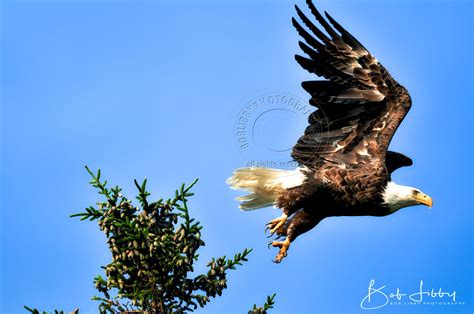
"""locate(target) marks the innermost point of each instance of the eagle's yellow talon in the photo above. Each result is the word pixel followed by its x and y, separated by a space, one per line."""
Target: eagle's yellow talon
pixel 277 225
pixel 284 246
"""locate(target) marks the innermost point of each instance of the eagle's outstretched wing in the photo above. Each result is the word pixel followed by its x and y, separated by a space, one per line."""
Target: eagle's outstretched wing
pixel 359 105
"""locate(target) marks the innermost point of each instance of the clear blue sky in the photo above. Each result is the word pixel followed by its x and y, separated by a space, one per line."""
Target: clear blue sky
pixel 152 89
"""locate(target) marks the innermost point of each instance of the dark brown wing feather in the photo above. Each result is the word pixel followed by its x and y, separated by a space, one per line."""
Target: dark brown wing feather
pixel 394 160
pixel 359 105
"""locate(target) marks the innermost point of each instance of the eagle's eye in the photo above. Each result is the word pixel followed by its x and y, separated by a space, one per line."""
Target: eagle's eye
pixel 415 192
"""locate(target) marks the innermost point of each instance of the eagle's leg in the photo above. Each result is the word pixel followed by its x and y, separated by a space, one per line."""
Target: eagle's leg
pixel 284 246
pixel 298 224
pixel 277 225
pixel 290 202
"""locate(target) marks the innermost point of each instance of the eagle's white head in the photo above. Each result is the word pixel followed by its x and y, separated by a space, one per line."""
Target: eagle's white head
pixel 398 196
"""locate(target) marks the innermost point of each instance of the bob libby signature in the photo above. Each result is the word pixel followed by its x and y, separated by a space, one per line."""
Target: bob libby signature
pixel 369 302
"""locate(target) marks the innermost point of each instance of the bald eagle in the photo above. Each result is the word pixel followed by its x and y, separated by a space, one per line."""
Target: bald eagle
pixel 344 165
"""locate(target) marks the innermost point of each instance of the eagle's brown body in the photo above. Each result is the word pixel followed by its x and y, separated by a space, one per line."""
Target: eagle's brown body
pixel 345 166
pixel 350 183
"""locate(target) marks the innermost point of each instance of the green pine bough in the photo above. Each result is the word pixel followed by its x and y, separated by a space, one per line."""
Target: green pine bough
pixel 153 248
pixel 263 309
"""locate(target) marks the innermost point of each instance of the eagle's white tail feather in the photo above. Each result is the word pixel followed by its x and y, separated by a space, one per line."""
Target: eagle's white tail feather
pixel 265 185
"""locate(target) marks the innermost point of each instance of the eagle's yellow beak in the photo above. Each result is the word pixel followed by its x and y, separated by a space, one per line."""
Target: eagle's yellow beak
pixel 424 199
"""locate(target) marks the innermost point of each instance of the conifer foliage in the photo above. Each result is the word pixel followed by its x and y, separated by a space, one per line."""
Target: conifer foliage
pixel 153 248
